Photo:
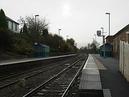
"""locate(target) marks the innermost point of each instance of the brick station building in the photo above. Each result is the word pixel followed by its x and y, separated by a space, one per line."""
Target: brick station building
pixel 122 35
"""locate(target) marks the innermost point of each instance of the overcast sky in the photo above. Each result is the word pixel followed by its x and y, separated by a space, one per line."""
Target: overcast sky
pixel 78 19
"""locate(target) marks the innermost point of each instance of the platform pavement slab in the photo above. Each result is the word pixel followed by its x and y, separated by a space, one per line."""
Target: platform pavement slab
pixel 107 93
pixel 90 78
pixel 111 78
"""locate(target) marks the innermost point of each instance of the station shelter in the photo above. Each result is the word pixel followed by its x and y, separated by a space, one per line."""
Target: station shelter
pixel 107 49
pixel 41 50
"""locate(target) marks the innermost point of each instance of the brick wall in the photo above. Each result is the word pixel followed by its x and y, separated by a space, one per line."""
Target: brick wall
pixel 123 36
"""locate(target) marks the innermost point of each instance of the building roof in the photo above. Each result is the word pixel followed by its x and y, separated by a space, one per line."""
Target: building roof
pixel 126 28
pixel 106 44
pixel 41 45
pixel 111 36
pixel 12 20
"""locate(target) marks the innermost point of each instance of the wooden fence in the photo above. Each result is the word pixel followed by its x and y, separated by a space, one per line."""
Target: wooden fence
pixel 124 59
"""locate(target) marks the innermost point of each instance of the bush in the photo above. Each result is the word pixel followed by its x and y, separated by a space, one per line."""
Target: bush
pixel 21 45
pixel 5 39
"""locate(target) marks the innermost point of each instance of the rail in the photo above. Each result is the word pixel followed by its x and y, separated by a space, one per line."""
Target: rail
pixel 73 80
pixel 29 94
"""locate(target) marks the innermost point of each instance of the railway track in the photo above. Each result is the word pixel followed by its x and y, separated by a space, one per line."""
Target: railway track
pixel 11 75
pixel 8 85
pixel 12 79
pixel 59 84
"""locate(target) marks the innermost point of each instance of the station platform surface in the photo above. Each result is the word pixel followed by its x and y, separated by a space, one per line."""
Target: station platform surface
pixel 111 78
pixel 15 61
pixel 90 82
pixel 90 78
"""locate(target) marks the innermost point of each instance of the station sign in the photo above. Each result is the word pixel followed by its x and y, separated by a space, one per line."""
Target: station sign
pixel 98 32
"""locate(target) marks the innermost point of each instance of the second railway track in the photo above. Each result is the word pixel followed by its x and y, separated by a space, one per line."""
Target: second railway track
pixel 58 85
pixel 32 82
pixel 7 81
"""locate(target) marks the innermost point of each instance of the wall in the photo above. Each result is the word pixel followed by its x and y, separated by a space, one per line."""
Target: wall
pixel 116 41
pixel 124 59
pixel 13 26
pixel 109 39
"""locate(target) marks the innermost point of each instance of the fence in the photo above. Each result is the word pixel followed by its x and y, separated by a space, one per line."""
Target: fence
pixel 124 59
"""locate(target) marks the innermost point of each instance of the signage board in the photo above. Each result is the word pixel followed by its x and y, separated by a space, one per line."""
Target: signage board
pixel 98 32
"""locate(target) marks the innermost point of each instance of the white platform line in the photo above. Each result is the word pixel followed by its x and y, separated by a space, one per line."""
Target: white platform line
pixel 107 93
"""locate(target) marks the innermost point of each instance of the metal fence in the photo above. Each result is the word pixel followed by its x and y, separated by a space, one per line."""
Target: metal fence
pixel 124 59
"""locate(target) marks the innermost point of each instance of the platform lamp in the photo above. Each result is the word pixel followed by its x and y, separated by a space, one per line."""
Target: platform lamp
pixel 59 35
pixel 103 40
pixel 109 21
pixel 35 26
pixel 35 21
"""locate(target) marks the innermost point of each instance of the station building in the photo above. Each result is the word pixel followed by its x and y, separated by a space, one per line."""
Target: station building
pixel 122 35
pixel 13 25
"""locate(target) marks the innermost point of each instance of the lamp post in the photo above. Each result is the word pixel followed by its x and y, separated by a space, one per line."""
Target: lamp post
pixel 103 40
pixel 35 21
pixel 59 31
pixel 103 35
pixel 95 37
pixel 59 35
pixel 36 28
pixel 109 21
pixel 67 36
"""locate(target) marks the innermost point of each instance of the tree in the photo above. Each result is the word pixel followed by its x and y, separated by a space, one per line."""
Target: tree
pixel 22 45
pixel 96 43
pixel 5 34
pixel 3 21
pixel 71 41
pixel 25 33
pixel 35 28
pixel 91 47
pixel 25 29
pixel 71 45
pixel 38 32
pixel 45 32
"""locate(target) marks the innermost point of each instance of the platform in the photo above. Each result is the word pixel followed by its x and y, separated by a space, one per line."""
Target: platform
pixel 25 60
pixel 90 83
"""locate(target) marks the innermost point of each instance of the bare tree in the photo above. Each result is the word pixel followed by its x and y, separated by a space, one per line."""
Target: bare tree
pixel 36 28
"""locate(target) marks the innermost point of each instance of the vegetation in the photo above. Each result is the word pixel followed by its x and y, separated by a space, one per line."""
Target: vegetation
pixel 37 32
pixel 90 48
pixel 5 34
pixel 33 31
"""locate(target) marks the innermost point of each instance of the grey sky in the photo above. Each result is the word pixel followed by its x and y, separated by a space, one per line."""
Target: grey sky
pixel 77 18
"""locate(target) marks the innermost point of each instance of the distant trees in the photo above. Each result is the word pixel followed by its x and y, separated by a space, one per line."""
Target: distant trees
pixel 37 31
pixel 22 44
pixel 5 34
pixel 3 21
pixel 32 31
pixel 91 47
pixel 25 30
pixel 36 28
pixel 71 44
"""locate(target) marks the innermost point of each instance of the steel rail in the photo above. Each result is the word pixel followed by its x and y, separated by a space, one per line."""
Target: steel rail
pixel 16 81
pixel 73 80
pixel 21 73
pixel 52 78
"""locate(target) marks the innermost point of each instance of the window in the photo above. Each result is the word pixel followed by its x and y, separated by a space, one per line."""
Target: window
pixel 15 27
